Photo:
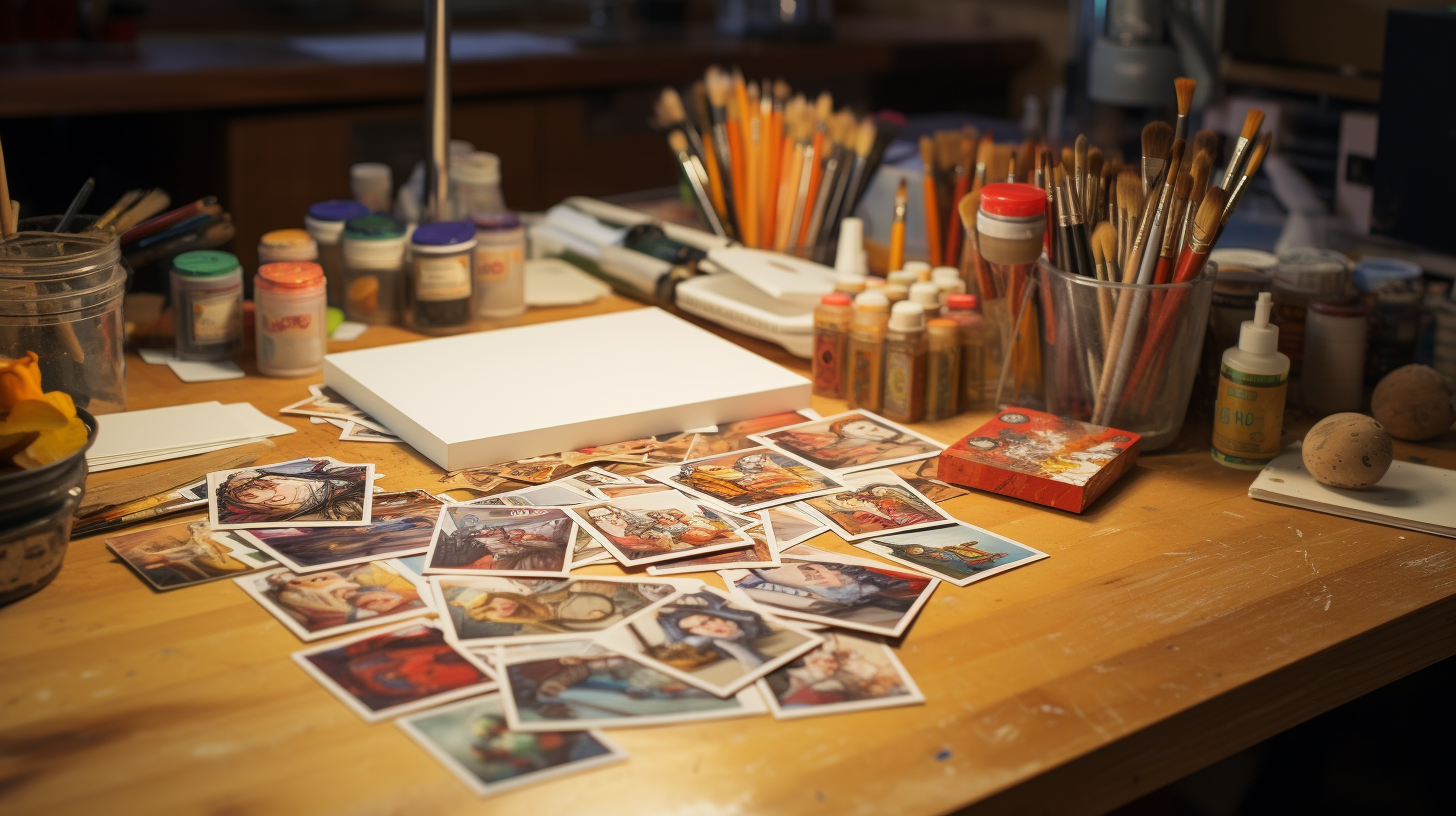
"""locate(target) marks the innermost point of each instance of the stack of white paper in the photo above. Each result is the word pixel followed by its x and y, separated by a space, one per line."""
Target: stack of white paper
pixel 1411 496
pixel 137 437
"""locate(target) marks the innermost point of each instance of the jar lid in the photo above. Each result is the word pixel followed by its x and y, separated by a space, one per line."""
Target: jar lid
pixel 496 221
pixel 478 167
pixel 286 239
pixel 959 301
pixel 907 315
pixel 444 233
pixel 836 299
pixel 1337 310
pixel 1313 270
pixel 1255 259
pixel 205 263
pixel 291 274
pixel 943 323
pixel 338 209
pixel 1013 199
pixel 373 228
pixel 1372 272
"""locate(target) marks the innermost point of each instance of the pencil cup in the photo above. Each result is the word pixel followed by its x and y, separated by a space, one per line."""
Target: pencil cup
pixel 60 297
pixel 1122 355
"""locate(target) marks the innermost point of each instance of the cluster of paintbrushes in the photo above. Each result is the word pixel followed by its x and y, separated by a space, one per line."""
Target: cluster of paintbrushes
pixel 768 167
pixel 957 163
pixel 149 231
pixel 1150 224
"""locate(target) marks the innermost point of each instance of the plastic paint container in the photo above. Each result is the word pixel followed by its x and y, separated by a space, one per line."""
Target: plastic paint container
pixel 1391 290
pixel 500 265
pixel 290 308
pixel 440 292
pixel 286 245
pixel 1305 276
pixel 207 305
pixel 374 269
pixel 325 222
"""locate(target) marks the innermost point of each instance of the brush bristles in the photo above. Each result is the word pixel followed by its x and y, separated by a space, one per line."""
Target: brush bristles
pixel 1130 191
pixel 967 148
pixel 677 141
pixel 1206 141
pixel 927 154
pixel 719 86
pixel 1094 162
pixel 780 92
pixel 1209 216
pixel 1104 242
pixel 1184 87
pixel 671 107
pixel 864 138
pixel 966 209
pixel 1252 122
pixel 1201 171
pixel 1157 139
pixel 1256 158
pixel 823 106
pixel 1069 158
pixel 1183 186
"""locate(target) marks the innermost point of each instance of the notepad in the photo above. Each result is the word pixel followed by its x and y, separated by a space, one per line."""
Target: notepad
pixel 1411 496
pixel 157 434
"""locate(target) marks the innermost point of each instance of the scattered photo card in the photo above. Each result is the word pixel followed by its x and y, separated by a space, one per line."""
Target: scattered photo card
pixel 709 640
pixel 582 685
pixel 922 475
pixel 556 494
pixel 875 502
pixel 763 553
pixel 309 492
pixel 473 540
pixel 586 550
pixel 789 525
pixel 318 605
pixel 847 673
pixel 536 470
pixel 747 480
pixel 961 554
pixel 658 527
pixel 401 524
pixel 327 403
pixel 598 477
pixel 354 431
pixel 381 674
pixel 878 600
pixel 494 610
pixel 472 740
pixel 729 437
pixel 184 554
pixel 621 491
pixel 850 442
pixel 804 552
pixel 415 564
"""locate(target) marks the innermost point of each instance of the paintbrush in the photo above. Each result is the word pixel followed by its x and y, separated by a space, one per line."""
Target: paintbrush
pixel 671 115
pixel 960 185
pixel 932 212
pixel 1206 141
pixel 1157 138
pixel 696 177
pixel 985 151
pixel 1081 242
pixel 1129 209
pixel 9 218
pixel 166 220
pixel 1078 180
pixel 82 196
pixel 719 88
pixel 1176 215
pixel 1062 254
pixel 897 229
pixel 800 123
pixel 1199 175
pixel 1104 251
pixel 829 179
pixel 1092 197
pixel 818 147
pixel 1011 167
pixel 1252 121
pixel 153 202
pixel 1206 225
pixel 1256 158
pixel 1183 87
pixel 1149 260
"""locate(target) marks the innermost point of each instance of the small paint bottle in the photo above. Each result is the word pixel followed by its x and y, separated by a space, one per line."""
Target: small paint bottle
pixel 373 272
pixel 850 283
pixel 927 294
pixel 948 279
pixel 207 304
pixel 867 350
pixel 977 384
pixel 325 222
pixel 1253 378
pixel 942 368
pixel 500 265
pixel 440 296
pixel 831 344
pixel 919 269
pixel 289 307
pixel 905 350
pixel 285 245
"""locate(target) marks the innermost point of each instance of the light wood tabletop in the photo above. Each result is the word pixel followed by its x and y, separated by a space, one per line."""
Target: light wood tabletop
pixel 1176 622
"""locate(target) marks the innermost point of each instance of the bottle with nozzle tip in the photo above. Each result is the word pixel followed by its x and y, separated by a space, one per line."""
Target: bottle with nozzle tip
pixel 1253 378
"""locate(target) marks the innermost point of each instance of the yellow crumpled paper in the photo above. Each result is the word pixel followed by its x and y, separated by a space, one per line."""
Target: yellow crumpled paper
pixel 37 428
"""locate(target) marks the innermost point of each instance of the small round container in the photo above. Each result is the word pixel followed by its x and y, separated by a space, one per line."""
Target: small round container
pixel 1334 358
pixel 500 265
pixel 440 294
pixel 1249 260
pixel 1010 222
pixel 36 511
pixel 372 184
pixel 287 245
pixel 1391 290
pixel 290 318
pixel 374 273
pixel 1305 276
pixel 948 279
pixel 207 304
pixel 325 222
pixel 1235 291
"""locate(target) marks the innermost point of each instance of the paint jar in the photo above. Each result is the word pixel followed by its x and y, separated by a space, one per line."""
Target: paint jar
pixel 372 184
pixel 500 265
pixel 61 297
pixel 1391 290
pixel 290 318
pixel 906 347
pixel 948 280
pixel 978 383
pixel 867 350
pixel 1010 224
pixel 207 304
pixel 942 368
pixel 831 344
pixel 440 292
pixel 1334 358
pixel 475 186
pixel 325 222
pixel 1305 276
pixel 374 269
pixel 285 245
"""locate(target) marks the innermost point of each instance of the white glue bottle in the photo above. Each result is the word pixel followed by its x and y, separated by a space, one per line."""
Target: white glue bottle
pixel 1249 413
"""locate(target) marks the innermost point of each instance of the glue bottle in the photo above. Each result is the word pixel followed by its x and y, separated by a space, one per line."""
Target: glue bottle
pixel 866 350
pixel 905 352
pixel 1252 380
pixel 831 341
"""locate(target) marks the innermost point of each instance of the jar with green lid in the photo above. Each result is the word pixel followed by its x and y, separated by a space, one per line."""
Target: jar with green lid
pixel 374 272
pixel 207 304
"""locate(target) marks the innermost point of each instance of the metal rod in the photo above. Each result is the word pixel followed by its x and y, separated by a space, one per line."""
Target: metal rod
pixel 437 108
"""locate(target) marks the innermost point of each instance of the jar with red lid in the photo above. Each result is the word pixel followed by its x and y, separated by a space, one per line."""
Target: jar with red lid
pixel 290 318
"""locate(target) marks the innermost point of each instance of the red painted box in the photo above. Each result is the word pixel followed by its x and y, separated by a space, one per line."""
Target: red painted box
pixel 1041 458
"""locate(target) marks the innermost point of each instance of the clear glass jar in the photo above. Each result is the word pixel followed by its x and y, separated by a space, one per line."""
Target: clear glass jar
pixel 61 297
pixel 374 269
pixel 207 304
pixel 290 307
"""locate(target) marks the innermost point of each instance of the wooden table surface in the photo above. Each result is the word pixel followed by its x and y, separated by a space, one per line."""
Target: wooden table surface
pixel 1176 622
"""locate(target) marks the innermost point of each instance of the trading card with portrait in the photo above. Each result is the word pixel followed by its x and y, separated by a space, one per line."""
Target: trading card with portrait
pixel 586 550
pixel 401 524
pixel 846 673
pixel 710 640
pixel 748 480
pixel 850 442
pixel 355 432
pixel 582 685
pixel 327 403
pixel 873 503
pixel 790 525
pixel 763 553
pixel 556 494
pixel 472 740
pixel 185 554
pixel 921 475
pixel 317 605
pixel 379 675
pixel 878 600
pixel 473 540
pixel 960 554
pixel 493 610
pixel 622 491
pixel 309 492
pixel 660 526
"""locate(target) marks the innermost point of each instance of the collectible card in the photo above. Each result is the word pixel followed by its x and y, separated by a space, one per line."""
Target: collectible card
pixel 327 403
pixel 846 673
pixel 527 541
pixel 309 492
pixel 763 553
pixel 875 502
pixel 185 554
pixel 960 554
pixel 660 526
pixel 319 605
pixel 850 442
pixel 488 611
pixel 878 600
pixel 791 525
pixel 748 480
pixel 402 524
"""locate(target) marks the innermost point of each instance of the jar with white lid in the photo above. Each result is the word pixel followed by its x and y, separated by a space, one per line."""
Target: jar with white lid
pixel 325 222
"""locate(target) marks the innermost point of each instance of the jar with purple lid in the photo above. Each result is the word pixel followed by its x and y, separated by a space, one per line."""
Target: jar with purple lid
pixel 325 222
pixel 440 298
pixel 500 265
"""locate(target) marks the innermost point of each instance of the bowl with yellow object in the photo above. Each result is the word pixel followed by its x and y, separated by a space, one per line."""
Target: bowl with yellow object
pixel 43 443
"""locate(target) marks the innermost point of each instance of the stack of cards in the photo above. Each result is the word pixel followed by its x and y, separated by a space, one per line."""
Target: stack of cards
pixel 157 434
pixel 325 406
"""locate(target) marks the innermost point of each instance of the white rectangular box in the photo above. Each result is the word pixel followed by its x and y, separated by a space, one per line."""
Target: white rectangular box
pixel 488 397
